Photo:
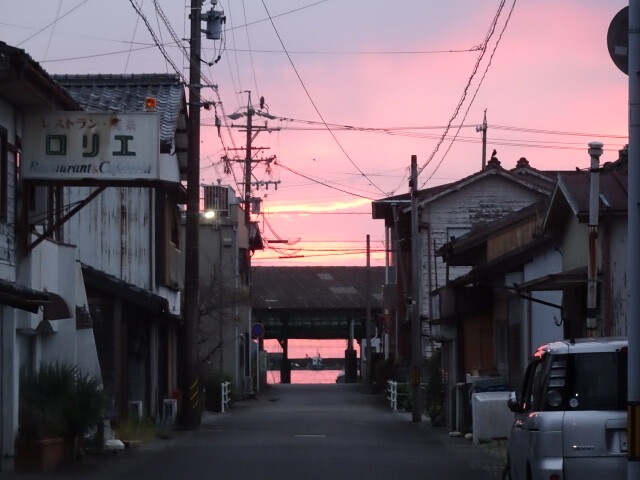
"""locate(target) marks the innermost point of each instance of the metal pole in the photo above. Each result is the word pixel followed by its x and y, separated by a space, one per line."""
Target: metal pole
pixel 368 356
pixel 633 262
pixel 483 128
pixel 416 334
pixel 247 163
pixel 191 387
pixel 595 150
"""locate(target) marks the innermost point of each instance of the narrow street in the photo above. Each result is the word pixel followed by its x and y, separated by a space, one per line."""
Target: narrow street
pixel 299 432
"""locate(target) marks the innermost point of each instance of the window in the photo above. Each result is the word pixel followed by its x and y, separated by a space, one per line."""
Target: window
pixel 592 381
pixel 456 232
pixel 600 381
pixel 4 173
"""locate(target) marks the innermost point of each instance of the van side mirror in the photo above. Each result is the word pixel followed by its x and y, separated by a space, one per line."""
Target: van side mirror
pixel 514 403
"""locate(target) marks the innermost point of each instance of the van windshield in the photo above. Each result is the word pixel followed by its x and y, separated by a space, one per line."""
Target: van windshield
pixel 592 381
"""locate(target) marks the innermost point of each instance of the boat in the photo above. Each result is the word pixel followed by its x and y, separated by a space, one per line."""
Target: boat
pixel 315 363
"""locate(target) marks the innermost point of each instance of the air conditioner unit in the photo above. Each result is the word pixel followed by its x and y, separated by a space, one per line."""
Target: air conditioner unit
pixel 216 199
pixel 169 410
pixel 248 384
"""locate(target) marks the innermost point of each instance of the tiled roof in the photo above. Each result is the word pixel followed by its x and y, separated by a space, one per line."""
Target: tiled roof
pixel 315 287
pixel 612 192
pixel 529 177
pixel 26 85
pixel 127 94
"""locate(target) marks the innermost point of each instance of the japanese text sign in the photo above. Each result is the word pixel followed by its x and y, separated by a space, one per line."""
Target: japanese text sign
pixel 84 145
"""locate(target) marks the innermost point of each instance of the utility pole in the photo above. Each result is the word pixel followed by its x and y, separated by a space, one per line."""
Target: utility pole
pixel 190 382
pixel 595 151
pixel 252 132
pixel 633 260
pixel 367 329
pixel 416 330
pixel 247 162
pixel 483 128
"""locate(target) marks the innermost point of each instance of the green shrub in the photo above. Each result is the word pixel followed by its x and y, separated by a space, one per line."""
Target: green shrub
pixel 58 400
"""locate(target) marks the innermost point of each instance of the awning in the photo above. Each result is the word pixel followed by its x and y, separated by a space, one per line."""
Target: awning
pixel 127 292
pixel 22 297
pixel 556 281
pixel 57 308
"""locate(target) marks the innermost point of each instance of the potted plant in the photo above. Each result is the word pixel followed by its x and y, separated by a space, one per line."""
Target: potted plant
pixel 58 404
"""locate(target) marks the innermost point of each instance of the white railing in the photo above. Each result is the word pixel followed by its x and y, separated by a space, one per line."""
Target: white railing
pixel 225 392
pixel 393 395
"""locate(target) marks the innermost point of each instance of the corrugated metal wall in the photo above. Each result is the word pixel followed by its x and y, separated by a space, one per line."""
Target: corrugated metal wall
pixel 114 232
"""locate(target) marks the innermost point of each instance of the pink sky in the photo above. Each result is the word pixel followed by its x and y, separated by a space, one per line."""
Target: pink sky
pixel 551 72
pixel 299 348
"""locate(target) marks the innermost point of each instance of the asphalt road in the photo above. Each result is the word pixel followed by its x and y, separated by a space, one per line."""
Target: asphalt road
pixel 299 432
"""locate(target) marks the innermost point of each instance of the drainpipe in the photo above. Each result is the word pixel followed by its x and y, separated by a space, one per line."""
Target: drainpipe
pixel 595 150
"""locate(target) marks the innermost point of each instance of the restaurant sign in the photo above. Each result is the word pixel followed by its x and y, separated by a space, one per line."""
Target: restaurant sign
pixel 95 146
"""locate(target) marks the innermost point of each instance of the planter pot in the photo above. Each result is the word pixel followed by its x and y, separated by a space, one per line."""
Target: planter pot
pixel 43 455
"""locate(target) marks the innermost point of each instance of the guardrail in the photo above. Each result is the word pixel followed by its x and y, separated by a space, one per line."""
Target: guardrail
pixel 393 393
pixel 225 393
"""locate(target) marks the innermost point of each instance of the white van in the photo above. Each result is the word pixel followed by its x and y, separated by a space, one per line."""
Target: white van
pixel 571 417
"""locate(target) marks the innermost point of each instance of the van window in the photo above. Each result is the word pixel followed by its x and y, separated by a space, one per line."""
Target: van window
pixel 533 387
pixel 587 381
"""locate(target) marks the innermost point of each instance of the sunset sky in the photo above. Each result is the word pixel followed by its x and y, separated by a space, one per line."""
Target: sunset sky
pixel 357 87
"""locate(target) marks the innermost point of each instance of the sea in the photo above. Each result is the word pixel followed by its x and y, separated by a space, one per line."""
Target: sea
pixel 299 348
pixel 305 376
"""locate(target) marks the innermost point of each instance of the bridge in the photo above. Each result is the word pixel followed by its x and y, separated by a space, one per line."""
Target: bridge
pixel 317 302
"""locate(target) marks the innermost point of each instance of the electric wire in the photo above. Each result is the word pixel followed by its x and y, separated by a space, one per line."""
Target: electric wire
pixel 51 23
pixel 133 36
pixel 280 14
pixel 158 16
pixel 484 74
pixel 53 28
pixel 313 103
pixel 97 55
pixel 253 68
pixel 319 182
pixel 158 43
pixel 361 52
pixel 463 97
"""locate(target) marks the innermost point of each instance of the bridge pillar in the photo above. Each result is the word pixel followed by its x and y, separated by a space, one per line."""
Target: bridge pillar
pixel 350 365
pixel 285 366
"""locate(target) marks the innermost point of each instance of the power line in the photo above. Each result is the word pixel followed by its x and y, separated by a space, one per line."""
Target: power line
pixel 463 97
pixel 362 52
pixel 278 15
pixel 52 23
pixel 96 55
pixel 46 52
pixel 158 43
pixel 313 103
pixel 253 68
pixel 495 47
pixel 319 182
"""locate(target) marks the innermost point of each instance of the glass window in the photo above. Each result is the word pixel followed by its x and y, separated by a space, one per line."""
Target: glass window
pixel 594 381
pixel 4 173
